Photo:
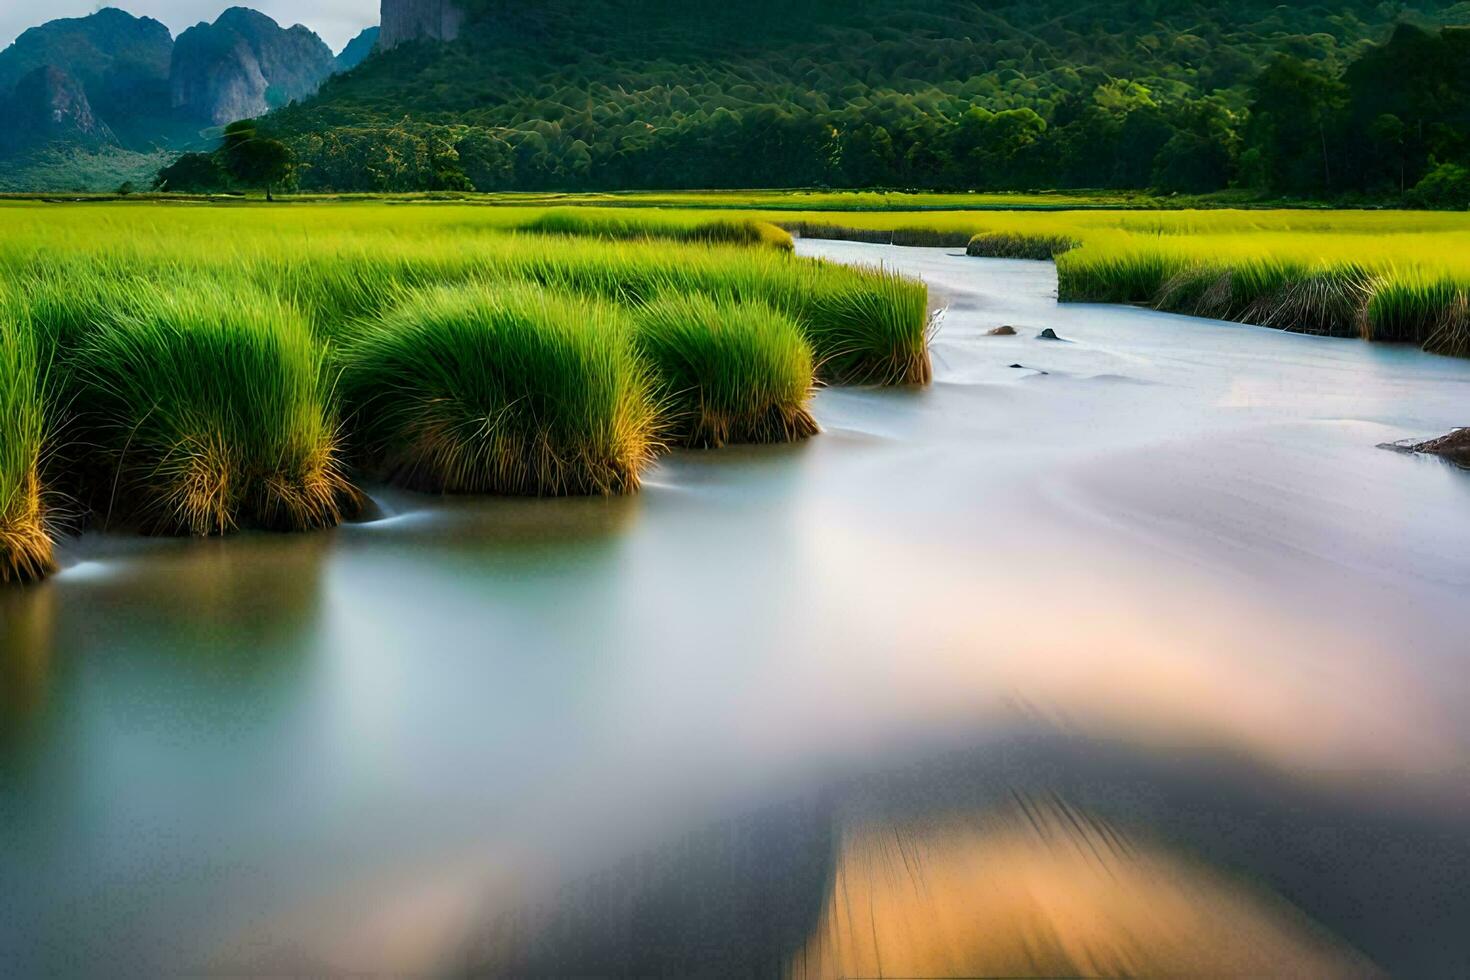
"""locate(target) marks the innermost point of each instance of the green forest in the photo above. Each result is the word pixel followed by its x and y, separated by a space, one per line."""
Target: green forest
pixel 1358 101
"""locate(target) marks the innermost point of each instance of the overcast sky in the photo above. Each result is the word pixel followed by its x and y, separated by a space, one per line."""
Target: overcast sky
pixel 337 21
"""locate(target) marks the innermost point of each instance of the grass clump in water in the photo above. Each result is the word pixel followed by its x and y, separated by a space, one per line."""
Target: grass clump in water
pixel 25 545
pixel 907 237
pixel 1413 307
pixel 1015 245
pixel 727 372
pixel 722 231
pixel 502 389
pixel 1330 302
pixel 210 411
pixel 867 326
pixel 1451 331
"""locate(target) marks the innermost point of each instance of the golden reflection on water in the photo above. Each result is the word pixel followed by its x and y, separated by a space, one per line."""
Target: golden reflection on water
pixel 27 638
pixel 1040 889
pixel 247 592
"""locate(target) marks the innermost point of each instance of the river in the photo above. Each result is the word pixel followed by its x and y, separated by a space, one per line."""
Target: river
pixel 1124 652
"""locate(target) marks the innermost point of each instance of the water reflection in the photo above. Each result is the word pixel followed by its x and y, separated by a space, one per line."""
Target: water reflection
pixel 479 527
pixel 1029 856
pixel 1037 888
pixel 27 619
pixel 219 599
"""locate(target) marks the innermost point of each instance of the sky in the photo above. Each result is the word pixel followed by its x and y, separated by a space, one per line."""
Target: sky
pixel 337 21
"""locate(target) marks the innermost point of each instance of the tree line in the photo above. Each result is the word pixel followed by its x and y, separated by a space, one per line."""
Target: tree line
pixel 1381 122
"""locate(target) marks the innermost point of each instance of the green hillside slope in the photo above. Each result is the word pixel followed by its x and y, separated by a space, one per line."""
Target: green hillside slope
pixel 930 93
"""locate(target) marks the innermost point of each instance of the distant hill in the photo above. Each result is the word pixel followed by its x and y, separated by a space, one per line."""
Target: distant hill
pixel 92 98
pixel 119 62
pixel 357 50
pixel 704 93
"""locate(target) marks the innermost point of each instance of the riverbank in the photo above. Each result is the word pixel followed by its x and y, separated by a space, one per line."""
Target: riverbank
pixel 202 371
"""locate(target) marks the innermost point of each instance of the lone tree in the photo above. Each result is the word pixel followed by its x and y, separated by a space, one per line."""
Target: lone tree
pixel 253 160
pixel 192 173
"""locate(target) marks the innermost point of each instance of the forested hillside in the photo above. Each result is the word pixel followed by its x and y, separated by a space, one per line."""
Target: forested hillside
pixel 1289 98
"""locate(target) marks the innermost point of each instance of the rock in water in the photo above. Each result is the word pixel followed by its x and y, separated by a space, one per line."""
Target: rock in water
pixel 1454 447
pixel 1006 331
pixel 1048 334
pixel 419 20
pixel 243 65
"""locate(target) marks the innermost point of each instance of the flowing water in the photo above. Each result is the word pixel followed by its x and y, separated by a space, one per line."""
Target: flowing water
pixel 1139 656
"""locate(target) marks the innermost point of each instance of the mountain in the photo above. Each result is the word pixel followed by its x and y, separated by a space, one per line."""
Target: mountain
pixel 948 94
pixel 120 61
pixel 109 49
pixel 90 99
pixel 243 65
pixel 357 50
pixel 48 104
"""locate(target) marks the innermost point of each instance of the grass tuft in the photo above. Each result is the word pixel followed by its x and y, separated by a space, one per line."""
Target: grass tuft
pixel 502 389
pixel 1015 245
pixel 1451 332
pixel 628 227
pixel 25 545
pixel 1328 302
pixel 871 326
pixel 727 372
pixel 907 237
pixel 210 410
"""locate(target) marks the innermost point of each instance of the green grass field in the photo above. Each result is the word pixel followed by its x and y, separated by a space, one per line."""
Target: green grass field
pixel 187 368
pixel 1398 276
pixel 228 364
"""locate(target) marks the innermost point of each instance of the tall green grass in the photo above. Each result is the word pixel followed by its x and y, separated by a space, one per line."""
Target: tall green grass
pixel 190 385
pixel 628 226
pixel 865 326
pixel 1018 245
pixel 501 389
pixel 727 372
pixel 207 410
pixel 1340 298
pixel 907 237
pixel 25 546
pixel 1412 307
pixel 337 263
pixel 870 327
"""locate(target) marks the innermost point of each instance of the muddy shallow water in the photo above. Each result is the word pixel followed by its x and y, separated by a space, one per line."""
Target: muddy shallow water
pixel 1137 657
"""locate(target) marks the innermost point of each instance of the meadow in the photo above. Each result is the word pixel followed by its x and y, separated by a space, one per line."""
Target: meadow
pixel 198 367
pixel 185 369
pixel 1395 276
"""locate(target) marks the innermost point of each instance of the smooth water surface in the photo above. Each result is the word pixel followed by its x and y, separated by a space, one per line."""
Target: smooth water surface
pixel 1139 656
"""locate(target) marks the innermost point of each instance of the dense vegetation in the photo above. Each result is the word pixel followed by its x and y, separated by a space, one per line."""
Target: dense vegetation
pixel 512 390
pixel 1287 99
pixel 25 550
pixel 1379 275
pixel 728 371
pixel 201 369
